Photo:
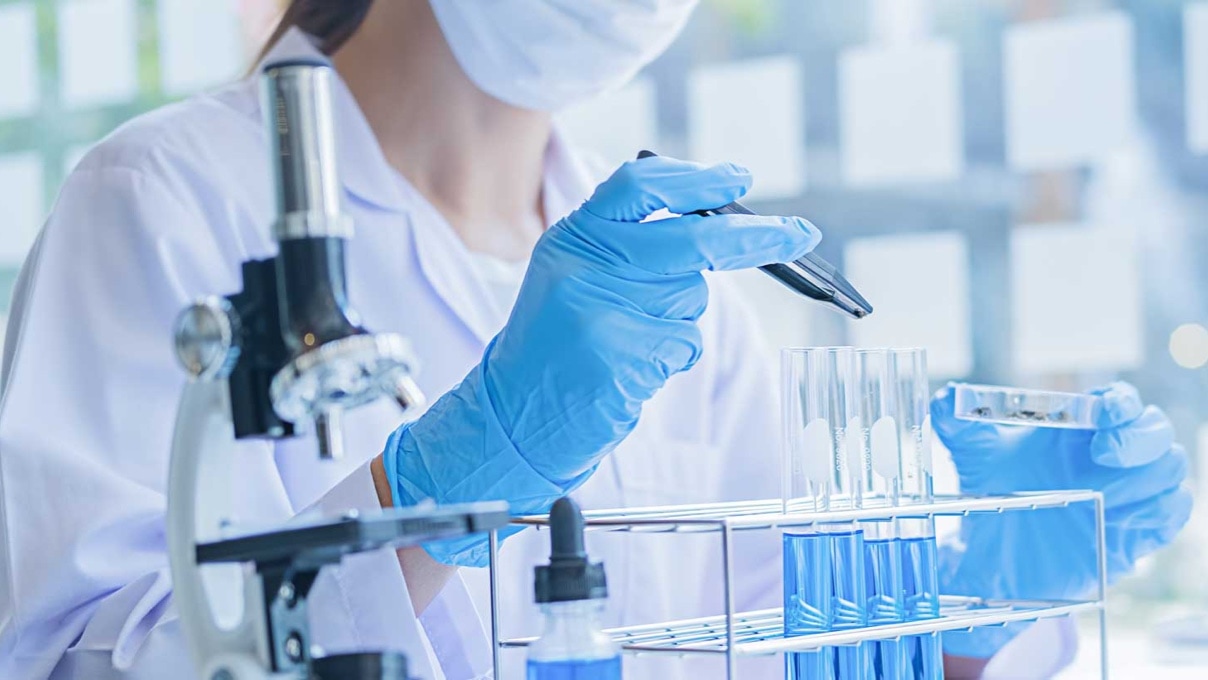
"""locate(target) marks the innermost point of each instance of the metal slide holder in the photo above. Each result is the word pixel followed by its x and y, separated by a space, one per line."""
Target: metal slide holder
pixel 732 635
pixel 283 355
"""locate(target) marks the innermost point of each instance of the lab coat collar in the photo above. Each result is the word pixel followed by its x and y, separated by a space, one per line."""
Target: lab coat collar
pixel 569 177
pixel 443 258
pixel 364 170
pixel 446 262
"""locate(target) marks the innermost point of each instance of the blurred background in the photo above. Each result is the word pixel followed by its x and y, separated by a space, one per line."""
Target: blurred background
pixel 1017 185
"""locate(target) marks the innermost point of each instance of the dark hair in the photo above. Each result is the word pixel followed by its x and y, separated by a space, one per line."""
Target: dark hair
pixel 331 21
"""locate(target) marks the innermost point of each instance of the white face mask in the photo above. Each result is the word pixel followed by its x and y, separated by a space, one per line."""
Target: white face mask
pixel 548 54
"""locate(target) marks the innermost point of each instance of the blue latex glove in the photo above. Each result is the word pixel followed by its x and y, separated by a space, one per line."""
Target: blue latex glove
pixel 1050 554
pixel 607 313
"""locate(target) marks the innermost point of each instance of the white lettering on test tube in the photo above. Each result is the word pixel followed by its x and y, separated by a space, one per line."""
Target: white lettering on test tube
pixel 816 451
pixel 855 444
pixel 925 445
pixel 883 440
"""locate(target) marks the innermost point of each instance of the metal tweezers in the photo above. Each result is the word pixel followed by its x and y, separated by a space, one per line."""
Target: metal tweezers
pixel 809 275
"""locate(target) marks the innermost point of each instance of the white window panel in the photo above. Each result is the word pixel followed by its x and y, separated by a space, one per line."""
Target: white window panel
pixel 19 54
pixel 200 44
pixel 1076 299
pixel 1195 52
pixel 98 52
pixel 1070 90
pixel 21 196
pixel 919 287
pixel 752 113
pixel 899 21
pixel 616 125
pixel 901 113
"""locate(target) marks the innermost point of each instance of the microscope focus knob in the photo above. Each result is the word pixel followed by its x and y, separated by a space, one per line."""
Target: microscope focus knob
pixel 206 338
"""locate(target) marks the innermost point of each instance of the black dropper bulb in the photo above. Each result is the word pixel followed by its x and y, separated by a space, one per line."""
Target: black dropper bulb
pixel 569 576
pixel 566 532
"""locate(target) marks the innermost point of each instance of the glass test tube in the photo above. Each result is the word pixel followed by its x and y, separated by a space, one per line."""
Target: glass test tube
pixel 909 370
pixel 823 565
pixel 876 431
pixel 921 655
pixel 816 394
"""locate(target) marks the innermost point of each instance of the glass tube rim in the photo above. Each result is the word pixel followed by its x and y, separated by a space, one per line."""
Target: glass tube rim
pixel 819 350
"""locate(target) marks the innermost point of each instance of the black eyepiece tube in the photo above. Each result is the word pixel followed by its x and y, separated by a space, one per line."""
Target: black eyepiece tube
pixel 311 227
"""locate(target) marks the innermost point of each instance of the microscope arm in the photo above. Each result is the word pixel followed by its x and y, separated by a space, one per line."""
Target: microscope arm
pixel 222 635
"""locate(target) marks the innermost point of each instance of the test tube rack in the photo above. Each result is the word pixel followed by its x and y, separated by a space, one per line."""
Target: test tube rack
pixel 734 634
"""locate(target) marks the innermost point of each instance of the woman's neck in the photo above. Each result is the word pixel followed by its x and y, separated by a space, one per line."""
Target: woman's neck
pixel 478 160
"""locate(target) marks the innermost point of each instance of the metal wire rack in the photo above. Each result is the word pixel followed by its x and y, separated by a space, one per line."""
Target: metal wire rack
pixel 736 634
pixel 762 632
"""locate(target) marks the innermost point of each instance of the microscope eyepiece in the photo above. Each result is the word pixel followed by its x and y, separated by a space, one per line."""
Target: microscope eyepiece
pixel 299 112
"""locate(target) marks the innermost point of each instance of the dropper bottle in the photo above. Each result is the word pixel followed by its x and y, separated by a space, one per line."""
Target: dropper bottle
pixel 571 592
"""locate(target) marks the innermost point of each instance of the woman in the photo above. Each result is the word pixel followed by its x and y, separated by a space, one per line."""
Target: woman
pixel 452 172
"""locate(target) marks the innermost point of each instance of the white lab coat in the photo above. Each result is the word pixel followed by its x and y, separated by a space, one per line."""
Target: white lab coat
pixel 165 210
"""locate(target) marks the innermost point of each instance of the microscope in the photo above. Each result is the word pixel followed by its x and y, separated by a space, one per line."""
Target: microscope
pixel 285 356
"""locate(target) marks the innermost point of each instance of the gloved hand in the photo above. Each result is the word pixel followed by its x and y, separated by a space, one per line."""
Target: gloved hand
pixel 607 313
pixel 1050 554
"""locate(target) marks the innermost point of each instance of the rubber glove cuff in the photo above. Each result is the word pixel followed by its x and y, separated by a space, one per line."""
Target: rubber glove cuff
pixel 459 453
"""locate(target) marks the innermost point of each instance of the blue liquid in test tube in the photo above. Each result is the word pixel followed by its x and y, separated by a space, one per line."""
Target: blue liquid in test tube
pixel 923 655
pixel 883 575
pixel 849 598
pixel 807 593
pixel 919 577
pixel 847 570
pixel 825 590
pixel 807 600
pixel 603 669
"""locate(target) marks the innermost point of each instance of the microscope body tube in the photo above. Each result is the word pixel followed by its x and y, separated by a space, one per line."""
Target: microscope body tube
pixel 303 148
pixel 311 228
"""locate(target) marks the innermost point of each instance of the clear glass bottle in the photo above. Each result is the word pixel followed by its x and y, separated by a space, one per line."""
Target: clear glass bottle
pixel 573 645
pixel 571 591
